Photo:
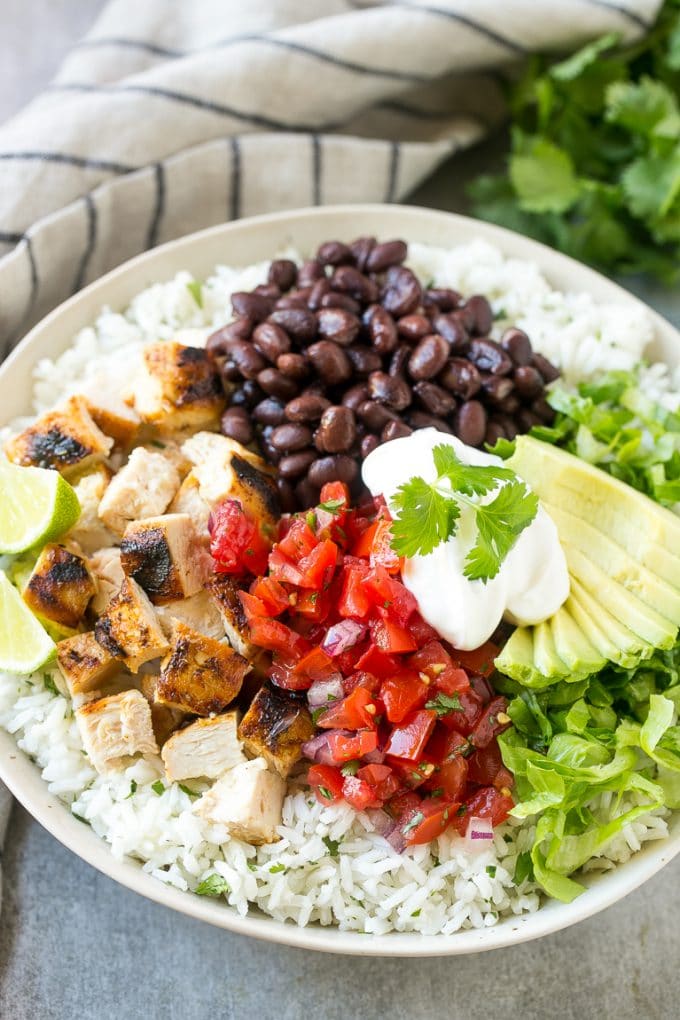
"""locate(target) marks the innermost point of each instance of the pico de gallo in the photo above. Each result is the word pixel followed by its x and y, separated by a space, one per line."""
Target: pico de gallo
pixel 404 722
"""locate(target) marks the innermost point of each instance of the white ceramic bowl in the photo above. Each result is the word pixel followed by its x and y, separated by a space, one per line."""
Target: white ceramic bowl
pixel 242 243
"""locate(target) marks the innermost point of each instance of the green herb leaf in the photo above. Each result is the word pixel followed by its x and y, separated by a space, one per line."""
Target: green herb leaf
pixel 276 869
pixel 491 870
pixel 188 791
pixel 445 703
pixel 213 885
pixel 544 178
pixel 424 520
pixel 325 792
pixel 333 506
pixel 523 868
pixel 49 683
pixel 350 768
pixel 158 787
pixel 331 845
pixel 196 290
pixel 499 525
pixel 133 789
pixel 413 823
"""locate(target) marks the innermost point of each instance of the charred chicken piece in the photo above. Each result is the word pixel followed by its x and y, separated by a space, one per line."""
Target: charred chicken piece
pixel 276 726
pixel 142 488
pixel 164 556
pixel 65 438
pixel 199 675
pixel 84 664
pixel 60 586
pixel 129 628
pixel 178 389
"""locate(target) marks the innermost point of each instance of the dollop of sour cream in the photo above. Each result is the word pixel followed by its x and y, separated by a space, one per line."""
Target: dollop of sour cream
pixel 531 584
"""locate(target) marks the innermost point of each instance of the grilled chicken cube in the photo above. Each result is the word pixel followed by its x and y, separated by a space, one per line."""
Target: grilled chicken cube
pixel 84 664
pixel 225 469
pixel 164 555
pixel 188 500
pixel 207 747
pixel 163 719
pixel 142 488
pixel 275 727
pixel 199 675
pixel 248 801
pixel 115 729
pixel 224 590
pixel 179 388
pixel 108 573
pixel 129 628
pixel 199 612
pixel 65 438
pixel 114 417
pixel 90 532
pixel 60 586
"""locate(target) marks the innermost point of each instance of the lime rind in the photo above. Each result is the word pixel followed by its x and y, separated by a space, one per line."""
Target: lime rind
pixel 36 507
pixel 25 646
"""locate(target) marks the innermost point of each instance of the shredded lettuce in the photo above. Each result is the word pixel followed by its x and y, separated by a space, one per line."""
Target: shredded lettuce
pixel 616 733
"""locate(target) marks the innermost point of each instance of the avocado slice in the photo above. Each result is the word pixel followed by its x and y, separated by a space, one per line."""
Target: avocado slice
pixel 626 515
pixel 622 604
pixel 516 660
pixel 546 659
pixel 606 634
pixel 617 563
pixel 573 647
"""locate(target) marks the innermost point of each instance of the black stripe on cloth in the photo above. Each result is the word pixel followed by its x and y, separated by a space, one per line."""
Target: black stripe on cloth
pixel 235 191
pixel 316 169
pixel 6 237
pixel 633 16
pixel 32 295
pixel 158 207
pixel 209 105
pixel 83 162
pixel 90 243
pixel 393 172
pixel 463 19
pixel 285 44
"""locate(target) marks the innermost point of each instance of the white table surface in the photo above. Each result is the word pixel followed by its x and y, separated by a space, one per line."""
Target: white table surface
pixel 73 944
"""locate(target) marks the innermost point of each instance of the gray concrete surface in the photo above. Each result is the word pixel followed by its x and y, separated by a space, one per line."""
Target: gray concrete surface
pixel 74 944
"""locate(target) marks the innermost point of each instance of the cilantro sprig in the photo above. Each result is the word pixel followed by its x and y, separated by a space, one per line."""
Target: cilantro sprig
pixel 428 513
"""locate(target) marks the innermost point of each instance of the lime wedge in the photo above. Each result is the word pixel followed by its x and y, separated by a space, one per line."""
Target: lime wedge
pixel 24 645
pixel 36 506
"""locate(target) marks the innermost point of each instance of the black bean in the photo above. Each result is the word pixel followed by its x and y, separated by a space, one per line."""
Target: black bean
pixel 444 298
pixel 350 281
pixel 429 357
pixel 335 299
pixel 229 374
pixel 271 453
pixel 306 407
pixel 246 359
pixel 381 328
pixel 497 387
pixel 218 343
pixel 526 419
pixel 509 424
pixel 509 405
pixel 461 377
pixel 338 467
pixel 309 272
pixel 368 444
pixel 470 423
pixel 334 253
pixel 251 306
pixel 290 437
pixel 293 366
pixel 399 360
pixel 267 290
pixel 296 464
pixel 320 289
pixel 306 493
pixel 450 326
pixel 330 361
pixel 299 323
pixel 402 292
pixel 247 395
pixel 518 345
pixel 494 432
pixel 414 327
pixel 542 408
pixel 390 390
pixel 338 325
pixel 374 415
pixel 364 360
pixel 269 412
pixel 337 430
pixel 528 382
pixel 277 385
pixel 361 249
pixel 545 367
pixel 422 420
pixel 236 425
pixel 489 356
pixel 355 396
pixel 435 399
pixel 395 430
pixel 282 273
pixel 270 340
pixel 286 496
pixel 478 313
pixel 382 256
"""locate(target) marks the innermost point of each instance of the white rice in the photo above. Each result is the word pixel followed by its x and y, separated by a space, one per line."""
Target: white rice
pixel 330 866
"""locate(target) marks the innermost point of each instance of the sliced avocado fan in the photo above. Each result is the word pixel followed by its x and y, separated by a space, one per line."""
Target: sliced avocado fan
pixel 623 556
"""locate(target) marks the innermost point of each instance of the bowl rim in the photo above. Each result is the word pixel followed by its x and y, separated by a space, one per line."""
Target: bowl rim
pixel 22 776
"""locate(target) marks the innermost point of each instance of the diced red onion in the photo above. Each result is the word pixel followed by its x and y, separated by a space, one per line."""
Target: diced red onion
pixel 380 819
pixel 481 686
pixel 376 757
pixel 395 837
pixel 322 692
pixel 479 834
pixel 318 749
pixel 342 636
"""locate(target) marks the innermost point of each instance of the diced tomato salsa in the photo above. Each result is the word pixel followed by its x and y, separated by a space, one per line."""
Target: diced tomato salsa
pixel 414 730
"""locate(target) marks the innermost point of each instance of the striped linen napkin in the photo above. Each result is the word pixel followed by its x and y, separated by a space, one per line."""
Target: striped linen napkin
pixel 172 116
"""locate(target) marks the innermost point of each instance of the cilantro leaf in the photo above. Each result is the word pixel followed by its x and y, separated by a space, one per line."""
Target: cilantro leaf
pixel 331 845
pixel 196 290
pixel 425 518
pixel 213 885
pixel 158 787
pixel 445 703
pixel 544 178
pixel 470 479
pixel 49 683
pixel 499 525
pixel 133 789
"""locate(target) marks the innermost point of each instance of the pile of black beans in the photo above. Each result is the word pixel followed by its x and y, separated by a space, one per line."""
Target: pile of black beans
pixel 329 359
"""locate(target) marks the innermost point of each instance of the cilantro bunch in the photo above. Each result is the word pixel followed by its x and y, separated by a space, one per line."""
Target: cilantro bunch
pixel 428 513
pixel 594 168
